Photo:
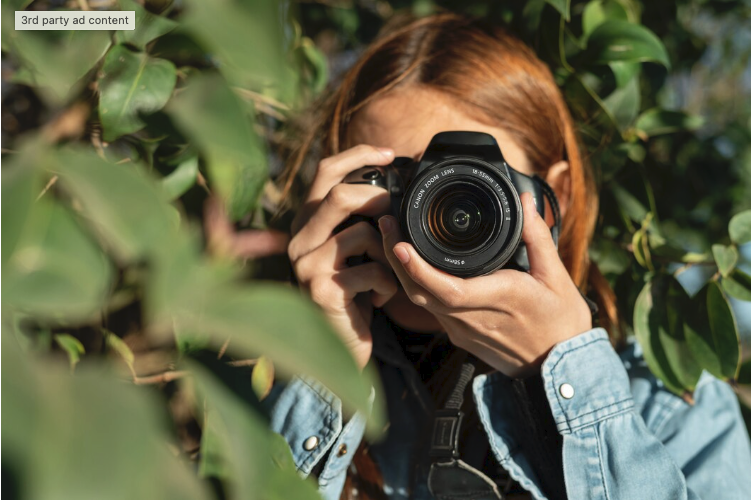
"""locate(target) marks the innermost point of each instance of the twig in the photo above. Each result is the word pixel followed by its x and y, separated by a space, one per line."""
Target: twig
pixel 223 349
pixel 243 362
pixel 259 98
pixel 161 378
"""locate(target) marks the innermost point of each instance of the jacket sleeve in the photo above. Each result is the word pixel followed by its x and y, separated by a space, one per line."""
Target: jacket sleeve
pixel 618 446
pixel 309 416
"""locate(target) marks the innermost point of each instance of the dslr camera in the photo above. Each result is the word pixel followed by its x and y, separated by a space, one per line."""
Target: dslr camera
pixel 459 205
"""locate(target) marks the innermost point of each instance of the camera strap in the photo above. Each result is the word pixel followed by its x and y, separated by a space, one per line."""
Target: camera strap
pixel 553 200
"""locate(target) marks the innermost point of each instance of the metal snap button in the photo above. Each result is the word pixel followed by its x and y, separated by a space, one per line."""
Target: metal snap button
pixel 342 450
pixel 310 443
pixel 567 391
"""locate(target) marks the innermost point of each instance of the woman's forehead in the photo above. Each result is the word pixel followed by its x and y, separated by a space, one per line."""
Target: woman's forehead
pixel 407 119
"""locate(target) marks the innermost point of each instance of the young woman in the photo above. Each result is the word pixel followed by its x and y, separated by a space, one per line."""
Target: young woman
pixel 556 411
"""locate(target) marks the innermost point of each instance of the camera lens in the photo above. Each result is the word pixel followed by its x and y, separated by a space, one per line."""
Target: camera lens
pixel 462 217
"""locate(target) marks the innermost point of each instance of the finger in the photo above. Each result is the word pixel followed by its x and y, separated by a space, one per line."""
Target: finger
pixel 340 203
pixel 371 277
pixel 417 294
pixel 544 262
pixel 358 239
pixel 331 171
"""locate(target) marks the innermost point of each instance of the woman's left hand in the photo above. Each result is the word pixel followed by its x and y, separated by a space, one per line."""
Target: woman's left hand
pixel 509 319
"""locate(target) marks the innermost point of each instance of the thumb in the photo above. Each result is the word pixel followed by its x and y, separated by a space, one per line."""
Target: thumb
pixel 544 262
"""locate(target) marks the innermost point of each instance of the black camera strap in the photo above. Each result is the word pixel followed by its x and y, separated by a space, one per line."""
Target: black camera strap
pixel 553 200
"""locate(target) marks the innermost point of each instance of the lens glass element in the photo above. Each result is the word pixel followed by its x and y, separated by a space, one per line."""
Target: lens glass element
pixel 462 216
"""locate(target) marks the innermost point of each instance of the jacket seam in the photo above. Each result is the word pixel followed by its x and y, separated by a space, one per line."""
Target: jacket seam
pixel 597 422
pixel 578 417
pixel 599 460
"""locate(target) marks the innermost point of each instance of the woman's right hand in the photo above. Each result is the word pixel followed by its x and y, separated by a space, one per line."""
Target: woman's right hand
pixel 346 294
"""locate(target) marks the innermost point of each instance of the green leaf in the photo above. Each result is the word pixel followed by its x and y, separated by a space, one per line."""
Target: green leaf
pixel 658 121
pixel 726 258
pixel 712 333
pixel 72 346
pixel 598 11
pixel 54 60
pixel 181 179
pixel 740 227
pixel 234 442
pixel 121 348
pixel 562 6
pixel 624 72
pixel 125 206
pixel 318 63
pixel 738 284
pixel 623 104
pixel 47 414
pixel 631 206
pixel 245 38
pixel 619 40
pixel 20 186
pixel 262 378
pixel 148 26
pixel 259 322
pixel 210 113
pixel 132 84
pixel 55 270
pixel 660 332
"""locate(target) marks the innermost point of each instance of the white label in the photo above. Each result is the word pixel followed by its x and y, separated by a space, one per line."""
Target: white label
pixel 77 20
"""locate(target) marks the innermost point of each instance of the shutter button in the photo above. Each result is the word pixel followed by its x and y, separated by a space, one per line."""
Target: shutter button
pixel 310 443
pixel 567 391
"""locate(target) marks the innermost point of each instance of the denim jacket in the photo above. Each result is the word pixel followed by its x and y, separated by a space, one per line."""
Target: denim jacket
pixel 624 435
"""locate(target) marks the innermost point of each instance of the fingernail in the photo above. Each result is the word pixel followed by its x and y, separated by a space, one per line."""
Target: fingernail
pixel 386 151
pixel 385 224
pixel 402 254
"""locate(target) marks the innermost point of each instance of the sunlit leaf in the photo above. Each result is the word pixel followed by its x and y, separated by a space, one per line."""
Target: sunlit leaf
pixel 619 40
pixel 148 26
pixel 740 227
pixel 132 83
pixel 285 482
pixel 121 348
pixel 262 378
pixel 72 347
pixel 658 121
pixel 726 258
pixel 624 72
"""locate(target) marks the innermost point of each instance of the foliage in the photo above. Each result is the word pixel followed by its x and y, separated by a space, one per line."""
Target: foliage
pixel 116 140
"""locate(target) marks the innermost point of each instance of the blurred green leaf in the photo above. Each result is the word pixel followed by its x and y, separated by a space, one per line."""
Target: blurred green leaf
pixel 623 104
pixel 55 271
pixel 659 329
pixel 744 374
pixel 131 84
pixel 726 258
pixel 562 6
pixel 738 285
pixel 712 333
pixel 72 347
pixel 48 414
pixel 318 63
pixel 624 72
pixel 632 207
pixel 262 378
pixel 20 186
pixel 259 322
pixel 181 179
pixel 619 40
pixel 148 26
pixel 55 60
pixel 121 348
pixel 210 113
pixel 246 39
pixel 234 442
pixel 609 256
pixel 658 121
pixel 740 228
pixel 598 11
pixel 123 204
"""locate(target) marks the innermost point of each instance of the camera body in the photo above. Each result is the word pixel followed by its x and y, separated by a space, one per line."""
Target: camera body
pixel 459 204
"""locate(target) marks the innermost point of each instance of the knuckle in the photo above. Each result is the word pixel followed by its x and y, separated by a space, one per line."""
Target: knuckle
pixel 320 289
pixel 419 299
pixel 339 196
pixel 365 149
